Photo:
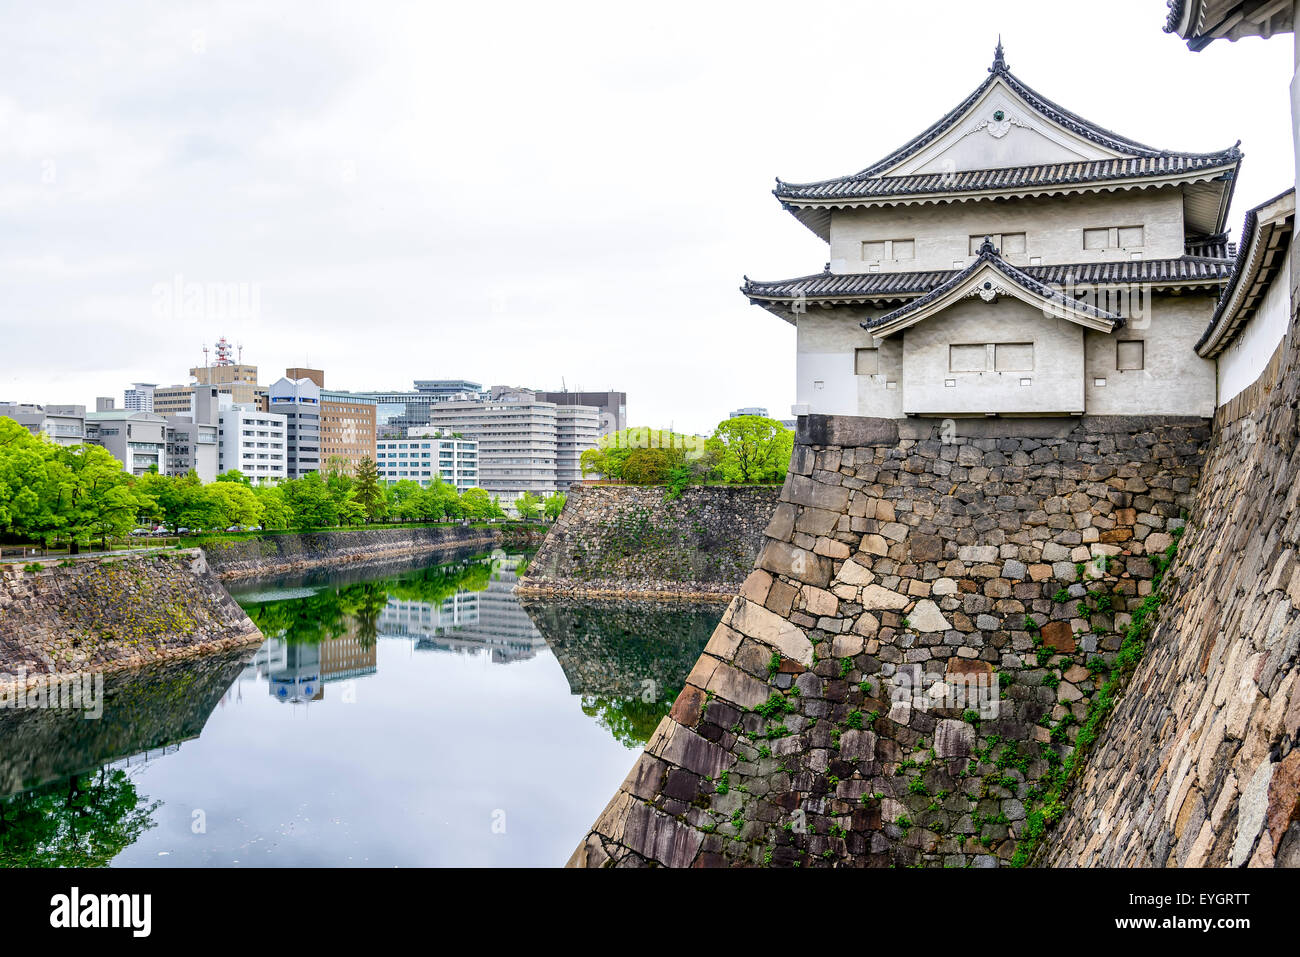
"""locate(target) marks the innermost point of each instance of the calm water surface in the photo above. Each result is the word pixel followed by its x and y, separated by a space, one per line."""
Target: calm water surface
pixel 402 716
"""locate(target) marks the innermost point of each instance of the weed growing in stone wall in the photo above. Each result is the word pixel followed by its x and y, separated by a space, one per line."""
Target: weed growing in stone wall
pixel 1055 784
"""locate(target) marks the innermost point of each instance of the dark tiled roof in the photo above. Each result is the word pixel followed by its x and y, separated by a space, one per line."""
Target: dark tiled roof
pixel 1015 177
pixel 1140 160
pixel 1211 247
pixel 988 255
pixel 1174 16
pixel 884 286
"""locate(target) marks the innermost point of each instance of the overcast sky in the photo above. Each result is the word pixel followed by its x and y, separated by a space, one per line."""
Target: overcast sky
pixel 509 192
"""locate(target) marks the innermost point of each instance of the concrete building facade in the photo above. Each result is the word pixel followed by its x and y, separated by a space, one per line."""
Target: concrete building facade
pixel 192 437
pixel 136 439
pixel 298 400
pixel 253 441
pixel 139 398
pixel 518 438
pixel 61 424
pixel 577 428
pixel 425 456
pixel 612 406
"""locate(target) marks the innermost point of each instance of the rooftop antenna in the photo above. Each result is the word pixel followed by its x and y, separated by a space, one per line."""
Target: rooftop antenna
pixel 240 349
pixel 205 355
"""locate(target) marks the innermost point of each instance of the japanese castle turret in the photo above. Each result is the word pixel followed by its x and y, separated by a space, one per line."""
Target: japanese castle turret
pixel 1013 259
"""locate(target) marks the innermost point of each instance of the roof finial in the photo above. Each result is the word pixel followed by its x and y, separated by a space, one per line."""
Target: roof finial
pixel 999 62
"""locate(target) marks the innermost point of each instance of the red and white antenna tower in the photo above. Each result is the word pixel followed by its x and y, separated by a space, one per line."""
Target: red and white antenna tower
pixel 223 352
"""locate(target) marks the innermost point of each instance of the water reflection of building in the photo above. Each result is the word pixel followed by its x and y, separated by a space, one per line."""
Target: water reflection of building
pixel 299 678
pixel 469 622
pixel 347 657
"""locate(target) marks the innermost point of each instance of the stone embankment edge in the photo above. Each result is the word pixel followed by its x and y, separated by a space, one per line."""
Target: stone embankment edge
pixel 337 560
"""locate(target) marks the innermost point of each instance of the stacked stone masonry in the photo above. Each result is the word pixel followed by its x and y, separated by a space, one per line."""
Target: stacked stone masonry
pixel 642 541
pixel 103 614
pixel 933 608
pixel 1198 766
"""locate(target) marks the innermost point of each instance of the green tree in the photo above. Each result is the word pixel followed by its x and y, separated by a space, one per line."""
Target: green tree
pixel 367 491
pixel 528 505
pixel 751 448
pixel 276 514
pixel 554 505
pixel 84 823
pixel 238 504
pixel 311 503
pixel 93 496
pixel 476 504
pixel 27 494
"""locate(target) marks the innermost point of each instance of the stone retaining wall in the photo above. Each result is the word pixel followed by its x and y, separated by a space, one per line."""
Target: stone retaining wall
pixel 1198 766
pixel 301 551
pixel 634 541
pixel 103 614
pixel 933 609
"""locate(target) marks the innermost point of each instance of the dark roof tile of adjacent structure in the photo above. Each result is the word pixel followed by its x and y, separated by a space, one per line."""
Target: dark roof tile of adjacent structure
pixel 1138 162
pixel 884 286
pixel 990 256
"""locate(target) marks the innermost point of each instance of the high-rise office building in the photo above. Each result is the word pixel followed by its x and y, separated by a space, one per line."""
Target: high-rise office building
pixel 612 406
pixel 518 439
pixel 298 400
pixel 139 398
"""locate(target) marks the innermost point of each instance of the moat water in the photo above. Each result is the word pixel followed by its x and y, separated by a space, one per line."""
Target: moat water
pixel 408 715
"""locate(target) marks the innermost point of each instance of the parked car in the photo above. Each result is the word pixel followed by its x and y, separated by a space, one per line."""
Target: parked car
pixel 141 531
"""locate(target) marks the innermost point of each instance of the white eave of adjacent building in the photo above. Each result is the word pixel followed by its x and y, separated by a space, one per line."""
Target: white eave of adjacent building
pixel 1263 250
pixel 1201 22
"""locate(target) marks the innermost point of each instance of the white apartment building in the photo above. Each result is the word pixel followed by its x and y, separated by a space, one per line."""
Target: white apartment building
pixel 577 428
pixel 61 424
pixel 426 455
pixel 139 398
pixel 253 441
pixel 518 439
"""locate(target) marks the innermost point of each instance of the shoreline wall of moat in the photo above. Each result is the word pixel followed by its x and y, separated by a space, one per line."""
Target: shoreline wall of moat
pixel 60 617
pixel 633 541
pixel 908 668
pixel 285 553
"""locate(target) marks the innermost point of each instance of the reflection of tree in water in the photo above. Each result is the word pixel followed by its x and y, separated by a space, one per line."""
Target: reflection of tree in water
pixel 630 720
pixel 627 659
pixel 84 821
pixel 355 608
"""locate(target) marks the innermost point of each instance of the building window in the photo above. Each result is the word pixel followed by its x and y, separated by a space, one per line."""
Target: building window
pixel 991 356
pixel 967 358
pixel 1013 356
pixel 1114 237
pixel 1129 354
pixel 891 249
pixel 866 361
pixel 1009 244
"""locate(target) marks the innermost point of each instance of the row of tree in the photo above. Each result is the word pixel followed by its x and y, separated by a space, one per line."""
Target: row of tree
pixel 747 449
pixel 80 494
